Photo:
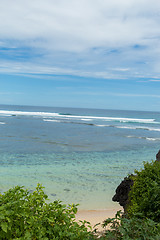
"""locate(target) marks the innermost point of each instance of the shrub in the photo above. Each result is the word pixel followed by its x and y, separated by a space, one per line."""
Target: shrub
pixel 25 215
pixel 129 229
pixel 145 192
pixel 143 209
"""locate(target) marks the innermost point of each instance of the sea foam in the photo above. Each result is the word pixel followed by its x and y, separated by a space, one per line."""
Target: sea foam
pixel 146 138
pixel 87 118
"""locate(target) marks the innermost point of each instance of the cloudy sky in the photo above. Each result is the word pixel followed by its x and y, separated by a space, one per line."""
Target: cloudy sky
pixel 80 53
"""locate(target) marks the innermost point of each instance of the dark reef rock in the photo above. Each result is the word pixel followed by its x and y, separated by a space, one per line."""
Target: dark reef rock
pixel 123 189
pixel 158 156
pixel 122 192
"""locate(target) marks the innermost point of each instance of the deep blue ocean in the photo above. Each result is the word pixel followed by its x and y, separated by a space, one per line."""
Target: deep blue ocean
pixel 79 155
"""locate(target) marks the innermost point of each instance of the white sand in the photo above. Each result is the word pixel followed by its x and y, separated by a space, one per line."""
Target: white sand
pixel 96 216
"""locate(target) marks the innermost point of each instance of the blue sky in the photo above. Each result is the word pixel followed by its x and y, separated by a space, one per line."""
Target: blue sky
pixel 88 53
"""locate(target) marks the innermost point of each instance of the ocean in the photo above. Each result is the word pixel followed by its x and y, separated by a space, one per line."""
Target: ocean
pixel 78 155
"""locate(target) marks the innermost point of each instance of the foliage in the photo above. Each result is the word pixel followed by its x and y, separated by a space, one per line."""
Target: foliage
pixel 145 193
pixel 27 216
pixel 121 228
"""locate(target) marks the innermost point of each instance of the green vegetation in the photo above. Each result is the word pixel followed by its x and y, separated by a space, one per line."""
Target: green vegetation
pixel 145 193
pixel 122 228
pixel 143 219
pixel 27 216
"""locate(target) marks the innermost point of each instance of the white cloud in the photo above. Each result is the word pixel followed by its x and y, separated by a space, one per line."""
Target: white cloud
pixel 120 69
pixel 67 34
pixel 135 95
pixel 30 68
pixel 77 25
pixel 154 80
pixel 11 93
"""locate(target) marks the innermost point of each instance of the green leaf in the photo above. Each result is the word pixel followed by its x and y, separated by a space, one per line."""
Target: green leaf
pixel 26 215
pixel 4 226
pixel 2 217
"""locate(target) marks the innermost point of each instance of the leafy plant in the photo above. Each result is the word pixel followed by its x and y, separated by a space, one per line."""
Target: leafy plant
pixel 121 228
pixel 27 216
pixel 145 193
pixel 143 219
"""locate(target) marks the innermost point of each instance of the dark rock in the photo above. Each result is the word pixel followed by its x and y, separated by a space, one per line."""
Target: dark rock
pixel 158 156
pixel 123 189
pixel 66 190
pixel 53 194
pixel 122 192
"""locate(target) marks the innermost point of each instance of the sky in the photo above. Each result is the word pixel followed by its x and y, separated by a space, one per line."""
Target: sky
pixel 80 53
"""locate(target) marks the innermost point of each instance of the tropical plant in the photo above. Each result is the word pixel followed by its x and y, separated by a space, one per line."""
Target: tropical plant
pixel 144 196
pixel 27 216
pixel 122 228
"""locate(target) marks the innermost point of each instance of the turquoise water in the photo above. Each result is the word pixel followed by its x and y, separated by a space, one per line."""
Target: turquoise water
pixel 79 155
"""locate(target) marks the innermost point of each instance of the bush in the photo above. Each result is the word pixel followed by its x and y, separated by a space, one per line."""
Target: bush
pixel 128 229
pixel 25 215
pixel 145 193
pixel 142 221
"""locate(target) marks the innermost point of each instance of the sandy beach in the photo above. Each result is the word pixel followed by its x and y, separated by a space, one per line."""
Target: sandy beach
pixel 96 216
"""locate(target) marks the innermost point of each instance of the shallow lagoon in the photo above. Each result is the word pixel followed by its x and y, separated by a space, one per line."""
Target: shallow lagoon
pixel 78 159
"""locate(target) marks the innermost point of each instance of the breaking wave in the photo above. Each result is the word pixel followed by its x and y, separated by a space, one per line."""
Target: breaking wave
pixel 83 118
pixel 146 138
pixel 2 123
pixel 51 120
pixel 103 125
pixel 139 127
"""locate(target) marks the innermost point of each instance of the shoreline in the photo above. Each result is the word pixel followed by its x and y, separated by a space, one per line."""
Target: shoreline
pixel 97 216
